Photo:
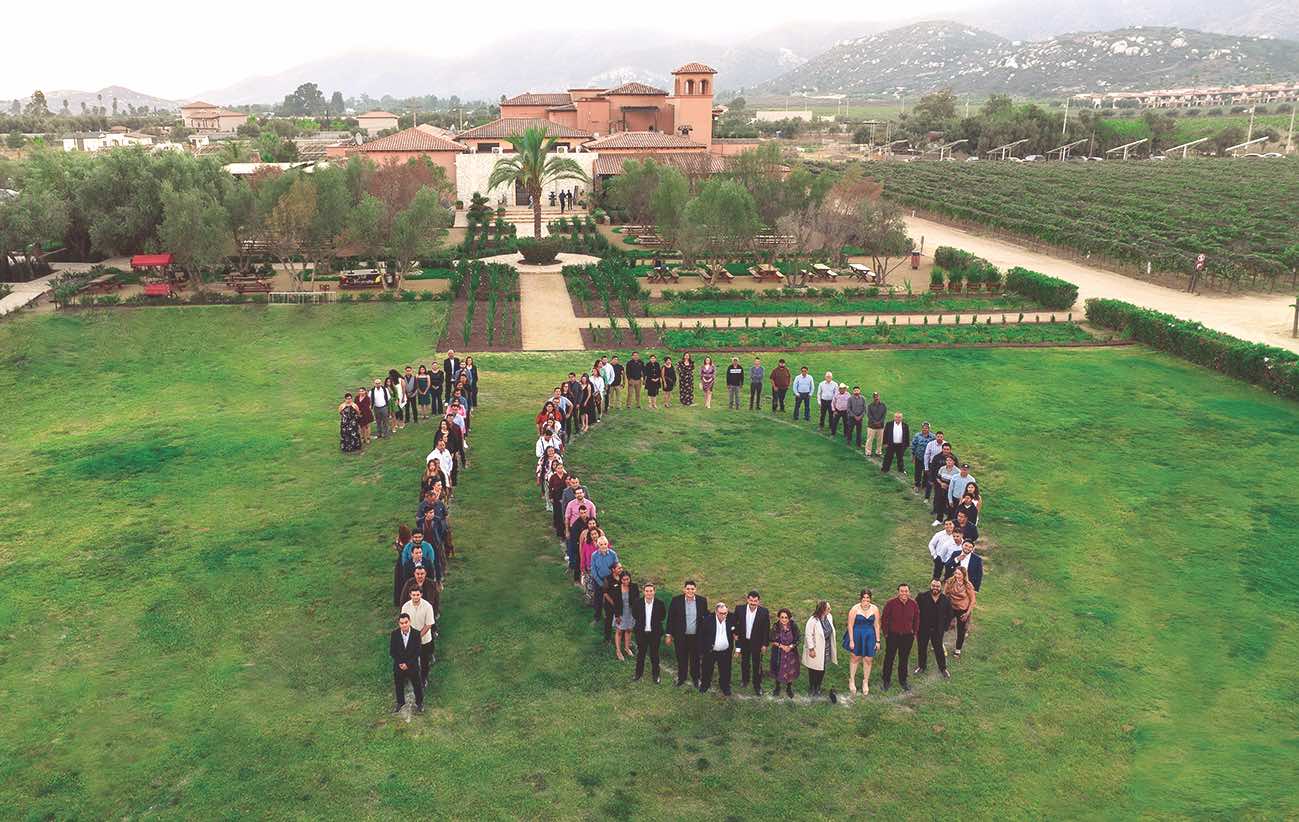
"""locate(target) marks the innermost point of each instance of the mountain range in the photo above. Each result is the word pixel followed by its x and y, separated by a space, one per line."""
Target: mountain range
pixel 927 56
pixel 104 97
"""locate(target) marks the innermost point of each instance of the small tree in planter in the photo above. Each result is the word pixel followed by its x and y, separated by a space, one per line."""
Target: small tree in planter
pixel 936 279
pixel 954 278
pixel 992 280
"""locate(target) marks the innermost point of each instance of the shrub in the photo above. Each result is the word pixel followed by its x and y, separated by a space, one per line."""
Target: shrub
pixel 936 277
pixel 1048 292
pixel 538 251
pixel 1272 368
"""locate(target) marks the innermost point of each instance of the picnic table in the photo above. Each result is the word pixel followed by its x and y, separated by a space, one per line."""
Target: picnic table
pixel 360 279
pixel 158 290
pixel 861 272
pixel 714 273
pixel 766 273
pixel 660 273
pixel 821 271
pixel 244 285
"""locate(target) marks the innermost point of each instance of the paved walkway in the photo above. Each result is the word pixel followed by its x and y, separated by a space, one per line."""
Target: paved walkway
pixel 548 321
pixel 25 293
pixel 1256 317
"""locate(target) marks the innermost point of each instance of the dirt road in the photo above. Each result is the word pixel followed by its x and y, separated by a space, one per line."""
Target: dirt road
pixel 1260 318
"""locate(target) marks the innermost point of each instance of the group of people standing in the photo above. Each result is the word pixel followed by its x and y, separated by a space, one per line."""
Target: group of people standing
pixel 402 397
pixel 423 550
pixel 705 639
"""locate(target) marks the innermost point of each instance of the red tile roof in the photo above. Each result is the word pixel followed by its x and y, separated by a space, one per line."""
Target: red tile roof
pixel 692 162
pixel 636 88
pixel 418 138
pixel 376 114
pixel 569 107
pixel 509 126
pixel 642 139
pixel 527 98
pixel 695 68
pixel 197 104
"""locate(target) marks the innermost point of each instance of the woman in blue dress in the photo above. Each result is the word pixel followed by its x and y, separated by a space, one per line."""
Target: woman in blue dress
pixel 859 641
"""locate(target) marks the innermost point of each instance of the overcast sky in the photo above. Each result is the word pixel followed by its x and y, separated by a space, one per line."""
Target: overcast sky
pixel 176 50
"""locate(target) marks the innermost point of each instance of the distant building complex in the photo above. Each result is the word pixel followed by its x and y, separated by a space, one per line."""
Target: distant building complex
pixel 1198 97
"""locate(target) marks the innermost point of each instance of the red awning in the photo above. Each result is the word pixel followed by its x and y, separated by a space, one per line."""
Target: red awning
pixel 150 260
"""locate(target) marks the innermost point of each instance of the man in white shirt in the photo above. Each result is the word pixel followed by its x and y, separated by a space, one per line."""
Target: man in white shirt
pixel 607 374
pixel 825 393
pixel 932 450
pixel 379 402
pixel 716 644
pixel 547 440
pixel 941 547
pixel 649 629
pixel 422 619
pixel 443 456
pixel 897 438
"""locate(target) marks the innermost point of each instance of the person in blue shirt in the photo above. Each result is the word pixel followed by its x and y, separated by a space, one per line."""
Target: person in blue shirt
pixel 804 385
pixel 918 445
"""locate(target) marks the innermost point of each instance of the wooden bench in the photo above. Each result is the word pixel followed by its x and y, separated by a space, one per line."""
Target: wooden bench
pixel 767 274
pixel 715 273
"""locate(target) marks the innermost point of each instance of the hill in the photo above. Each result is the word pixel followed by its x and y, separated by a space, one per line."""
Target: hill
pixel 927 56
pixel 104 97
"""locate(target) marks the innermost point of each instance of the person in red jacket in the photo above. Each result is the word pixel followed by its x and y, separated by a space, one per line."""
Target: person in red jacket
pixel 899 624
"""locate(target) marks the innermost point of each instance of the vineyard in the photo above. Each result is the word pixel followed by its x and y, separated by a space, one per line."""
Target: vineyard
pixel 485 313
pixel 1240 213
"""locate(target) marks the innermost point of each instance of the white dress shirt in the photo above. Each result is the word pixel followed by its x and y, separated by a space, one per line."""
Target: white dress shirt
pixel 749 614
pixel 649 615
pixel 896 436
pixel 443 456
pixel 941 545
pixel 720 642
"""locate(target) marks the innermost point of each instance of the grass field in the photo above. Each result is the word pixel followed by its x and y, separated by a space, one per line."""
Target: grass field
pixel 194 588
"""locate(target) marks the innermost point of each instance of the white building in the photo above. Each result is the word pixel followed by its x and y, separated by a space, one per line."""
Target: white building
pixel 98 141
pixel 768 116
pixel 472 171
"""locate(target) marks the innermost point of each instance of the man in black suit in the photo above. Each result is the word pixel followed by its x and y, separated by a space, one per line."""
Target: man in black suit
pixel 716 645
pixel 752 627
pixel 897 439
pixel 450 370
pixel 686 614
pixel 649 629
pixel 935 613
pixel 404 647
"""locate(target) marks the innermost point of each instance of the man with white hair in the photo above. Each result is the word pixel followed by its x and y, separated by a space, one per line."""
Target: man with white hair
pixel 825 393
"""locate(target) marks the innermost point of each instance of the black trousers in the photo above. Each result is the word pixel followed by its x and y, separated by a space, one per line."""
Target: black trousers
pixel 918 474
pixel 940 502
pixel 825 409
pixel 814 679
pixel 647 643
pixel 608 619
pixel 687 648
pixel 399 680
pixel 436 394
pixel 891 453
pixel 961 628
pixel 410 411
pixel 778 398
pixel 751 667
pixel 425 657
pixel 851 424
pixel 938 569
pixel 722 661
pixel 755 395
pixel 806 401
pixel 898 647
pixel 931 637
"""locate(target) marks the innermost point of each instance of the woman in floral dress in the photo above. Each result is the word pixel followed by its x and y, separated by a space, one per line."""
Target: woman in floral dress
pixel 784 652
pixel 686 369
pixel 707 374
pixel 349 427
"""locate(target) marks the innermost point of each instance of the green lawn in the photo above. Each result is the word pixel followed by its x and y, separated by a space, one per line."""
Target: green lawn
pixel 194 588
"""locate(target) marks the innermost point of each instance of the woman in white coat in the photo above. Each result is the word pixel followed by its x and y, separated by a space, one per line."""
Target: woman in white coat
pixel 818 644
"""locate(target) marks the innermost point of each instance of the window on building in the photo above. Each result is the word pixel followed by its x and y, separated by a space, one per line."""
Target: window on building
pixel 690 87
pixel 703 86
pixel 487 148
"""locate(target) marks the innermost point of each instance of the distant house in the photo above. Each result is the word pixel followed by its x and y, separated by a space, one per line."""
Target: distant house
pixel 373 122
pixel 206 117
pixel 420 141
pixel 100 140
pixel 776 116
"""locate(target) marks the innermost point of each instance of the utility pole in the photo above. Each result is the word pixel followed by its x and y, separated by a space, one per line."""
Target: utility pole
pixel 1064 129
pixel 967 106
pixel 1289 138
pixel 1250 135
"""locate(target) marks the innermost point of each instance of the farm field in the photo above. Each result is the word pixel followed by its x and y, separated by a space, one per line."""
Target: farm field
pixel 194 588
pixel 1237 212
pixel 1193 128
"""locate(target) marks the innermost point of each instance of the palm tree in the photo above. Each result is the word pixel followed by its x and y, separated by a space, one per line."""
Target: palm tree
pixel 533 168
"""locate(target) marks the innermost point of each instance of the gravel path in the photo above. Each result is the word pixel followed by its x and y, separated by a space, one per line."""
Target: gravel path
pixel 1256 317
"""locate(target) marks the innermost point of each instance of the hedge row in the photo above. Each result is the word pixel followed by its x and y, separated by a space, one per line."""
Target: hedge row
pixel 1048 292
pixel 970 267
pixel 1272 368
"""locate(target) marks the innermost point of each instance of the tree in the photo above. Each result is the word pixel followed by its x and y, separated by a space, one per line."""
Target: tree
pixel 234 151
pixel 633 190
pixel 36 107
pixel 195 230
pixel 806 196
pixel 306 99
pixel 668 204
pixel 762 171
pixel 366 231
pixel 336 104
pixel 289 226
pixel 738 104
pixel 883 236
pixel 242 218
pixel 720 222
pixel 34 217
pixel 15 139
pixel 935 108
pixel 862 135
pixel 418 231
pixel 534 165
pixel 839 217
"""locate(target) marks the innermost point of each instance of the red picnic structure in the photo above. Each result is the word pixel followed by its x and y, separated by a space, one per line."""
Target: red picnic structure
pixel 159 263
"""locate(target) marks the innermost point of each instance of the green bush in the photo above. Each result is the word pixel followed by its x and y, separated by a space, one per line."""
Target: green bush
pixel 1048 292
pixel 1272 368
pixel 538 251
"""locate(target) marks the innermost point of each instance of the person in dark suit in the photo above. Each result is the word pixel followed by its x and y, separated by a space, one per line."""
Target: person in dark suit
pixel 970 561
pixel 649 613
pixel 404 647
pixel 935 613
pixel 716 646
pixel 897 439
pixel 450 370
pixel 686 614
pixel 751 624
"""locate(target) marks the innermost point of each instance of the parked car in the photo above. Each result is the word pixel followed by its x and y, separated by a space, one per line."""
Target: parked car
pixel 1034 158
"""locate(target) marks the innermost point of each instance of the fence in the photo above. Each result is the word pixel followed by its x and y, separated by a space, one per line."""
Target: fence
pixel 302 297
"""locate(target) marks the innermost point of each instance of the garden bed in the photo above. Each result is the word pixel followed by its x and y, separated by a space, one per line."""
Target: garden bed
pixel 878 334
pixel 848 301
pixel 485 314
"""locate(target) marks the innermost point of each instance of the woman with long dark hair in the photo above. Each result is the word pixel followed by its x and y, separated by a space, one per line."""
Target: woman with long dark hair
pixel 349 428
pixel 819 648
pixel 784 652
pixel 686 367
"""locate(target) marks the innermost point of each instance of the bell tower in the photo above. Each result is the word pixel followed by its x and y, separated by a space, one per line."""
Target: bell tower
pixel 692 101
